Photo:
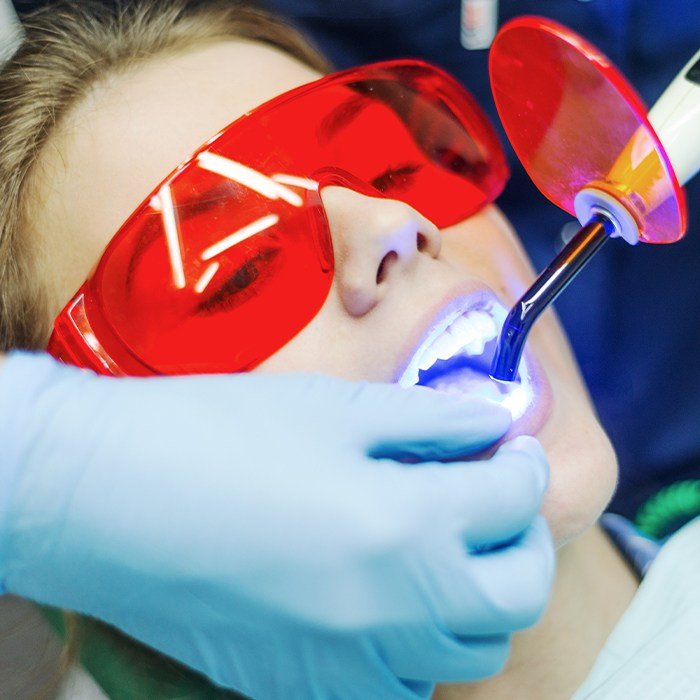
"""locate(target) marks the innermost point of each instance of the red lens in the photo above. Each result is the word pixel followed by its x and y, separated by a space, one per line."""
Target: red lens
pixel 231 257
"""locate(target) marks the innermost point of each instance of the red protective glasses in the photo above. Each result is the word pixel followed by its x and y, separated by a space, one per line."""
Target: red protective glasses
pixel 231 256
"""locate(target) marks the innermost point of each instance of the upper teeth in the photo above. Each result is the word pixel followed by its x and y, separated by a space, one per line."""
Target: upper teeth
pixel 465 333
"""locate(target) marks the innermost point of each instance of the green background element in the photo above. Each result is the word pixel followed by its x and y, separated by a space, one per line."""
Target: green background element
pixel 669 509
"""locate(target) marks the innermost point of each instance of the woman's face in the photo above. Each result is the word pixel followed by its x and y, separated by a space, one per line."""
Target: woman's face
pixel 399 282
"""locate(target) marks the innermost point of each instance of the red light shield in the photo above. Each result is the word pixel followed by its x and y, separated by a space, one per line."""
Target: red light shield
pixel 574 120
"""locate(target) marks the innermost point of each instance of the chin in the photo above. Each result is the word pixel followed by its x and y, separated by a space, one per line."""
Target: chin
pixel 582 481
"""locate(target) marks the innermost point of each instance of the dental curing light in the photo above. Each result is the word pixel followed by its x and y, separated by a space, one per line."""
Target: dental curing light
pixel 586 141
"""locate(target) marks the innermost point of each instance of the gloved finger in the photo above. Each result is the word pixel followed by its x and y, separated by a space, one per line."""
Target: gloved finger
pixel 492 500
pixel 422 424
pixel 352 665
pixel 502 590
pixel 437 655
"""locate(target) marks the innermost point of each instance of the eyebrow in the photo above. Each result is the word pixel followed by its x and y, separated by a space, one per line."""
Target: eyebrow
pixel 340 117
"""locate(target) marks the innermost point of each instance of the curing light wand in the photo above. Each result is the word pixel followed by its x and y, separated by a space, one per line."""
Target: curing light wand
pixel 543 292
pixel 675 119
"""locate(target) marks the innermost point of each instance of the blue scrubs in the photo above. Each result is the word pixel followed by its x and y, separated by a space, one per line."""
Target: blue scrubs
pixel 633 315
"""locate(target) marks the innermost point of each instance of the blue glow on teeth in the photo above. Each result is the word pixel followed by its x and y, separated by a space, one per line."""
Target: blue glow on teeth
pixel 458 347
pixel 463 333
pixel 515 396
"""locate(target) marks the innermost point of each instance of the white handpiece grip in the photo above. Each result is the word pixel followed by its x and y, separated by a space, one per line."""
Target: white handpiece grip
pixel 676 120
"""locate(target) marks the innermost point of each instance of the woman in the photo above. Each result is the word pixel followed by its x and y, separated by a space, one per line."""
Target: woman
pixel 147 94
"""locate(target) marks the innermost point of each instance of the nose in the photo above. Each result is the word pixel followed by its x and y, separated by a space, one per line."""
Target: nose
pixel 375 241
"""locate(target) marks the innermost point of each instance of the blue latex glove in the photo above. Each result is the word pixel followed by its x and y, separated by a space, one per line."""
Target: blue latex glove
pixel 259 529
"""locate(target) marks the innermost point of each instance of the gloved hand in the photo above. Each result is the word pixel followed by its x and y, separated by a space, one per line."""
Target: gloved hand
pixel 259 529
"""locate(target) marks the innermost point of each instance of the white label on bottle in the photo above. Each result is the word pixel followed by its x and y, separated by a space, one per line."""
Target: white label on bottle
pixel 479 23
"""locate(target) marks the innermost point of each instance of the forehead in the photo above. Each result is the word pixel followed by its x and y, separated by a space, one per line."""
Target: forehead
pixel 128 133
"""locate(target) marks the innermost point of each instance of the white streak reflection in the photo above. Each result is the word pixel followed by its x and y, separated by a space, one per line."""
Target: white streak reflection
pixel 172 236
pixel 248 177
pixel 235 238
pixel 206 278
pixel 304 183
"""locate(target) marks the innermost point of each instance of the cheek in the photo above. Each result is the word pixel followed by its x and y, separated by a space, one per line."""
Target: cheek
pixel 583 473
pixel 486 245
pixel 332 343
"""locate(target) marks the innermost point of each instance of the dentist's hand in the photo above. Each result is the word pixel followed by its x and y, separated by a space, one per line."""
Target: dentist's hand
pixel 259 528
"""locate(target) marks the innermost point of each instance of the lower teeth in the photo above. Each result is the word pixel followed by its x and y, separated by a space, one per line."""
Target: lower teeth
pixel 466 381
pixel 515 396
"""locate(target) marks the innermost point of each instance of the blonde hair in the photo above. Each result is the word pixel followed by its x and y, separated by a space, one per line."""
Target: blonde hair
pixel 68 48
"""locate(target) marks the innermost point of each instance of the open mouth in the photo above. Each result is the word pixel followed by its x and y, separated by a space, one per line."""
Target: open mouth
pixel 456 356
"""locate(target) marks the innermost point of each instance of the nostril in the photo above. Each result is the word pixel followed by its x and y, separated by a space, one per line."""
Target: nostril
pixel 385 264
pixel 422 243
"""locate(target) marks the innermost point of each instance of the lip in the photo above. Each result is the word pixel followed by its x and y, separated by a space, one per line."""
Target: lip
pixel 460 300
